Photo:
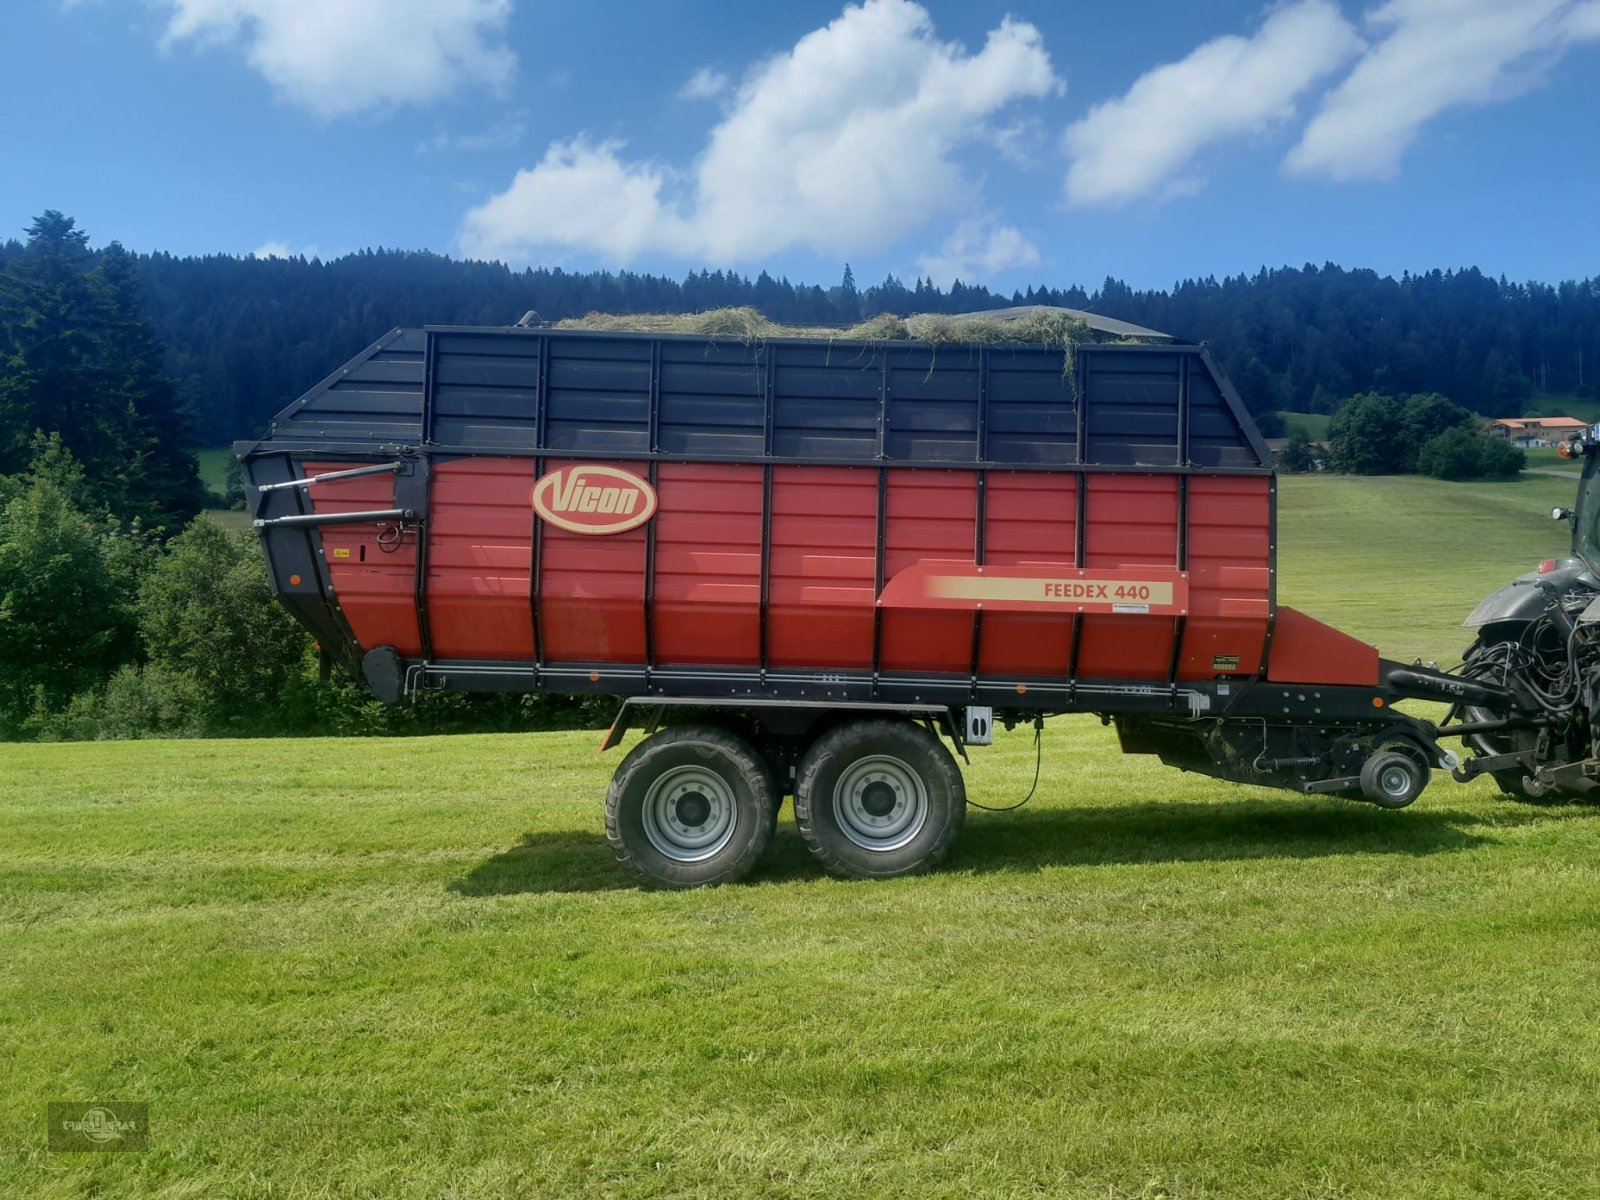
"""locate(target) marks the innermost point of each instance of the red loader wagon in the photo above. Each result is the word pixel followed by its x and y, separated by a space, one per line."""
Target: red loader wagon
pixel 805 565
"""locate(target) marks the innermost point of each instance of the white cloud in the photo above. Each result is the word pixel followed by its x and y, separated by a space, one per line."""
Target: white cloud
pixel 704 84
pixel 976 250
pixel 1434 55
pixel 279 249
pixel 580 195
pixel 1140 143
pixel 502 135
pixel 842 144
pixel 337 58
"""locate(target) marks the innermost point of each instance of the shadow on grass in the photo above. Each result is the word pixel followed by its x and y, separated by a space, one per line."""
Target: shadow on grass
pixel 576 861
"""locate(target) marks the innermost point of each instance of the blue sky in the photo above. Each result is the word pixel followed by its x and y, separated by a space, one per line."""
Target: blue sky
pixel 1030 141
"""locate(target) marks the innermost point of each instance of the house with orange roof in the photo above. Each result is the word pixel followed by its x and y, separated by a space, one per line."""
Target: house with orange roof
pixel 1534 431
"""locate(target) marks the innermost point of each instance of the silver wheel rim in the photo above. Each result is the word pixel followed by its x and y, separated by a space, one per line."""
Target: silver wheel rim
pixel 880 803
pixel 1395 781
pixel 689 814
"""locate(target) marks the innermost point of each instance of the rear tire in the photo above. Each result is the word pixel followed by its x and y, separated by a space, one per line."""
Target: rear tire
pixel 689 807
pixel 1511 781
pixel 877 799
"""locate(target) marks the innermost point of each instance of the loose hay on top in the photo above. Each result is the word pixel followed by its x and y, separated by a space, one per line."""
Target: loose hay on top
pixel 1039 327
pixel 1061 328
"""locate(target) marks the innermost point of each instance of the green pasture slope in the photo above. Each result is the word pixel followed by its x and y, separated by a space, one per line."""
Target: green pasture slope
pixel 408 968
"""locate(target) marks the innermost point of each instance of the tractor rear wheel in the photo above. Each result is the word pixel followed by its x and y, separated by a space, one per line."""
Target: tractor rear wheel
pixel 875 799
pixel 1512 780
pixel 691 806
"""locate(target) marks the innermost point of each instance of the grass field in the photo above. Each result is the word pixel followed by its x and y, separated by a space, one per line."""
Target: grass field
pixel 1313 425
pixel 214 474
pixel 214 467
pixel 407 968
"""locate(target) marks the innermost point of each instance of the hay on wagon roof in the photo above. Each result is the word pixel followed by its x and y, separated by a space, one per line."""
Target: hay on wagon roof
pixel 1040 327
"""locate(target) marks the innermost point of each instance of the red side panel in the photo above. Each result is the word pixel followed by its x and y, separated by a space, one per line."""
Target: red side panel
pixel 823 559
pixel 1230 521
pixel 1304 650
pixel 931 514
pixel 708 564
pixel 1029 517
pixel 1133 521
pixel 480 531
pixel 374 582
pixel 591 594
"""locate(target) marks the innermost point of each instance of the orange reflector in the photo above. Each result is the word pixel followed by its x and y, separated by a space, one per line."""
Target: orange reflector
pixel 1022 689
pixel 594 676
pixel 1377 702
pixel 294 580
pixel 1547 566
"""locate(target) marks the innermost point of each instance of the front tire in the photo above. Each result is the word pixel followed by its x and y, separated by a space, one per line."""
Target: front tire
pixel 876 799
pixel 1391 779
pixel 689 807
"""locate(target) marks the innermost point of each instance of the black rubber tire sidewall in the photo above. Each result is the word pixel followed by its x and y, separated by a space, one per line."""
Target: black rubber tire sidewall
pixel 829 756
pixel 731 757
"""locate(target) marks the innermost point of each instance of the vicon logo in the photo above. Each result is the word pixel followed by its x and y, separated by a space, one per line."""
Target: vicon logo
pixel 594 499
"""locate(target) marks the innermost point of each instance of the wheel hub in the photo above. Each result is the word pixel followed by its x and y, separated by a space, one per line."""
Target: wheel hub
pixel 689 813
pixel 880 803
pixel 693 809
pixel 878 798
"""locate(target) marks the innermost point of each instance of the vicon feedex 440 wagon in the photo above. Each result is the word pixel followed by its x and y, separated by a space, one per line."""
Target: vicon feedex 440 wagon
pixel 804 564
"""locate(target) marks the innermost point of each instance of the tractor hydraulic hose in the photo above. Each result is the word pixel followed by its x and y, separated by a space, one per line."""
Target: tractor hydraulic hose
pixel 1433 685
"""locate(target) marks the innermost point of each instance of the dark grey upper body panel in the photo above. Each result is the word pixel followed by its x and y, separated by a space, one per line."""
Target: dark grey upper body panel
pixel 629 395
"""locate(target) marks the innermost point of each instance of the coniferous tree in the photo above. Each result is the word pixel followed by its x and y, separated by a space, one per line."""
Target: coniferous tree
pixel 79 360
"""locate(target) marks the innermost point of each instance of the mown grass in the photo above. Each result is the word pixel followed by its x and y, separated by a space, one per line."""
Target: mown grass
pixel 408 968
pixel 1313 425
pixel 214 462
pixel 214 475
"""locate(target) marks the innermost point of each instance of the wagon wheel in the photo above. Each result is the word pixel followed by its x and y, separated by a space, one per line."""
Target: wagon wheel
pixel 692 805
pixel 875 799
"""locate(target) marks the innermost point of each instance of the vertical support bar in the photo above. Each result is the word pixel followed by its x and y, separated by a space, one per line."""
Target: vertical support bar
pixel 653 438
pixel 878 576
pixel 983 404
pixel 535 554
pixel 982 507
pixel 1272 569
pixel 1080 533
pixel 424 633
pixel 1080 541
pixel 541 401
pixel 429 350
pixel 769 394
pixel 1181 620
pixel 650 583
pixel 1183 410
pixel 1080 403
pixel 766 564
pixel 652 442
pixel 883 404
pixel 541 408
pixel 882 517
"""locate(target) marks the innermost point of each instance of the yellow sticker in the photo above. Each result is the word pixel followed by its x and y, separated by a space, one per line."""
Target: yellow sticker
pixel 342 552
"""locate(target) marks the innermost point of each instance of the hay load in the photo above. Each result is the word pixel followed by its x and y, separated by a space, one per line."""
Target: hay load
pixel 1037 325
